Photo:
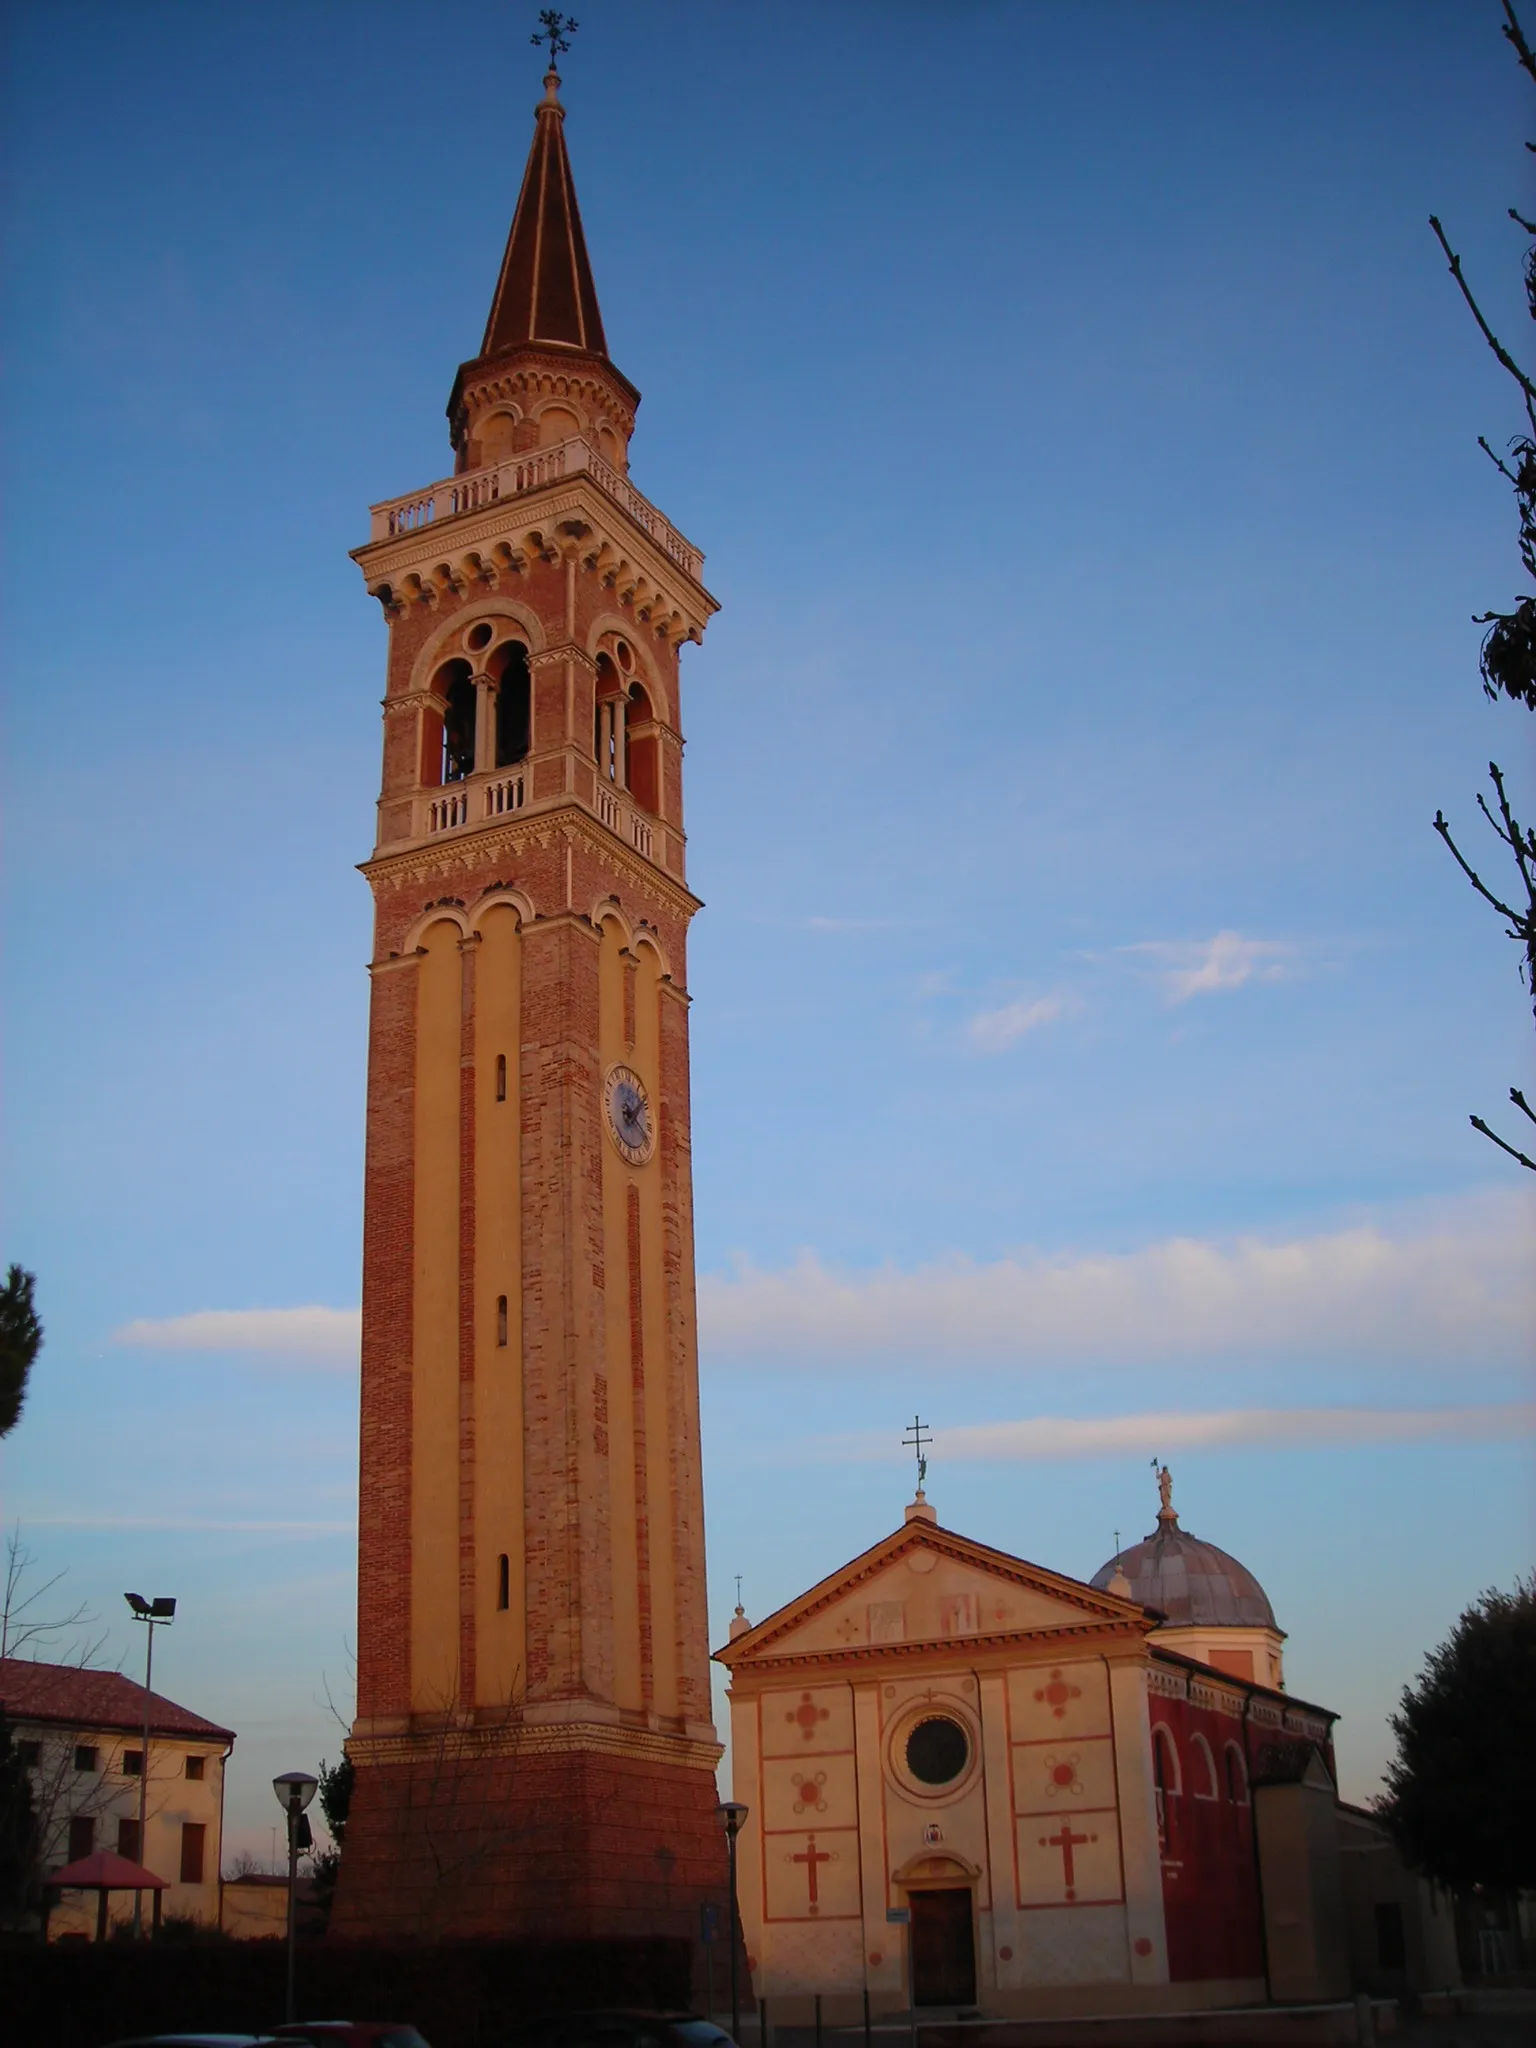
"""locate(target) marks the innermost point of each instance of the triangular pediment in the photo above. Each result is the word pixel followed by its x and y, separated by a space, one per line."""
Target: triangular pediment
pixel 926 1585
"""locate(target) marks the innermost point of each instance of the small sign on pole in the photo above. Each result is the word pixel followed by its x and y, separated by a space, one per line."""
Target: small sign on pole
pixel 709 1922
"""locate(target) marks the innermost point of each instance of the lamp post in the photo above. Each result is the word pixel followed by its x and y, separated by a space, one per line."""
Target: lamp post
pixel 733 1814
pixel 294 1790
pixel 154 1614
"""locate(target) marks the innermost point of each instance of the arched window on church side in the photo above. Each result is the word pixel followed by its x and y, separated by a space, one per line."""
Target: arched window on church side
pixel 1202 1769
pixel 514 703
pixel 457 690
pixel 1237 1775
pixel 1169 1784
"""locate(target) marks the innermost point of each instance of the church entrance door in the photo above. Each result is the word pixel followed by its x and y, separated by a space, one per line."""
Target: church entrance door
pixel 943 1948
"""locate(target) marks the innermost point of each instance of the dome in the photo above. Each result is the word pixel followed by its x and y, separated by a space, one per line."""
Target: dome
pixel 1191 1582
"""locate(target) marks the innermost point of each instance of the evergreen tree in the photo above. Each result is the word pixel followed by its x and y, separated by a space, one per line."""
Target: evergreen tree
pixel 21 1338
pixel 1461 1794
pixel 18 1827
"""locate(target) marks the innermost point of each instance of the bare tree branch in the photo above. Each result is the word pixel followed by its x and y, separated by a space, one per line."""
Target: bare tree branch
pixel 1471 873
pixel 1513 33
pixel 1493 341
pixel 1478 1125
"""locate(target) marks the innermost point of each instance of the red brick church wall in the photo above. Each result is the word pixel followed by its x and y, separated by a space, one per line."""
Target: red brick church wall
pixel 1210 1872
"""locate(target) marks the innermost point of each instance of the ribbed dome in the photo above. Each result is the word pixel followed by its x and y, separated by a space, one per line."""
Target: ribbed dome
pixel 1191 1582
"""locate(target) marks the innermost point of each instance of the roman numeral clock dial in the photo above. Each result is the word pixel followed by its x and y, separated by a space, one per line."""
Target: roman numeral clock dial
pixel 631 1120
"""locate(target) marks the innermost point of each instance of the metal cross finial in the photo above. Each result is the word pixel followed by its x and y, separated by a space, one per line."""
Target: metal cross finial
pixel 556 31
pixel 917 1440
pixel 738 1592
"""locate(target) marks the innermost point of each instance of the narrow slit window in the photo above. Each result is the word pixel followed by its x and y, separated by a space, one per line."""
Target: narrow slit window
pixel 501 1077
pixel 501 1319
pixel 503 1582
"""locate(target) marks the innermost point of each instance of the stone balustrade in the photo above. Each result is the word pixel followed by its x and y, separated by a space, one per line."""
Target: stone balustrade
pixel 483 798
pixel 456 495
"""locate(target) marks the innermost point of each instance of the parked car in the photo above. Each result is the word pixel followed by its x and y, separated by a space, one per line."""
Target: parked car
pixel 617 2029
pixel 197 2041
pixel 350 2034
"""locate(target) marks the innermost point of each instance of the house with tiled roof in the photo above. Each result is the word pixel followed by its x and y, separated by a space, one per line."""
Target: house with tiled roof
pixel 81 1734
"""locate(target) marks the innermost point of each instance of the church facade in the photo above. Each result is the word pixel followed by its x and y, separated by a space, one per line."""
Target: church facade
pixel 533 1742
pixel 975 1782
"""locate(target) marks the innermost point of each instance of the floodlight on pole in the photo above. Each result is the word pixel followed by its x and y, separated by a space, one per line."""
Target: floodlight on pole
pixel 294 1790
pixel 157 1613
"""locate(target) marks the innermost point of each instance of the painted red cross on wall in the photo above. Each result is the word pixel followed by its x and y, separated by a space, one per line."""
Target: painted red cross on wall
pixel 1066 1842
pixel 810 1859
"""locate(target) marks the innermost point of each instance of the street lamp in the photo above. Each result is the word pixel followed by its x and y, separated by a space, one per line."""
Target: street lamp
pixel 154 1614
pixel 733 1814
pixel 294 1790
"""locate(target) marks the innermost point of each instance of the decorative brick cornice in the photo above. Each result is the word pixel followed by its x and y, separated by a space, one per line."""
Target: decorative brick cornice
pixel 1105 1608
pixel 466 850
pixel 572 518
pixel 1092 1635
pixel 560 653
pixel 457 1745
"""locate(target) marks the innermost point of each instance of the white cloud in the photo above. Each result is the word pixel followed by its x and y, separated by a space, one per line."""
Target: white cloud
pixel 327 1337
pixel 1461 1288
pixel 996 1030
pixel 1204 967
pixel 1055 1437
pixel 194 1525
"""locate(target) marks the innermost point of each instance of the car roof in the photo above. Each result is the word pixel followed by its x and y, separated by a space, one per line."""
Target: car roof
pixel 194 2041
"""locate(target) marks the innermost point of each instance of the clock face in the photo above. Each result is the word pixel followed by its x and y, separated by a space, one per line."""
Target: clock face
pixel 631 1123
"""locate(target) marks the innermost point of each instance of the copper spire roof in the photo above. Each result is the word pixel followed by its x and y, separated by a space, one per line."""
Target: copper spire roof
pixel 545 295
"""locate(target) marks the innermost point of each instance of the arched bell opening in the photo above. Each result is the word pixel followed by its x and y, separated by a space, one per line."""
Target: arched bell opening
pixel 514 704
pixel 609 726
pixel 642 749
pixel 454 685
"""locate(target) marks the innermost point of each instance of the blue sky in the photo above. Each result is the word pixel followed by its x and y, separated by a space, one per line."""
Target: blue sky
pixel 1081 429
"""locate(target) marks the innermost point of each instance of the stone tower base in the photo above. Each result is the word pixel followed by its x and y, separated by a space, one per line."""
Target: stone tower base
pixel 570 1845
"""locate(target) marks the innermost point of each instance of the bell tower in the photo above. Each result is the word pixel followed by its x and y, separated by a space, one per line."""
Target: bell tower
pixel 533 1745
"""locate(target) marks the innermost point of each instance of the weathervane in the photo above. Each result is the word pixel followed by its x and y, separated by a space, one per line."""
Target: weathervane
pixel 557 28
pixel 917 1442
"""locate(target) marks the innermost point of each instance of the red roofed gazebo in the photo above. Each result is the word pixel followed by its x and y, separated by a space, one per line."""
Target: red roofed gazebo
pixel 105 1872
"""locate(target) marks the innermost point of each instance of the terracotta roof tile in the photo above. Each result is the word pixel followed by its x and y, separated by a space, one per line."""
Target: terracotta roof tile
pixel 73 1698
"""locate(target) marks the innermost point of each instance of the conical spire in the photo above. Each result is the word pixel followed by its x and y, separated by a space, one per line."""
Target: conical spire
pixel 545 295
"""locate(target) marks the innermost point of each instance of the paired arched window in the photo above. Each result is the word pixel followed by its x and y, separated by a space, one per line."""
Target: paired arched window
pixel 624 738
pixel 497 735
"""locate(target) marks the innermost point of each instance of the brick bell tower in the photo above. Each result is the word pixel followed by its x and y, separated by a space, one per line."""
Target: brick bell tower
pixel 533 1744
